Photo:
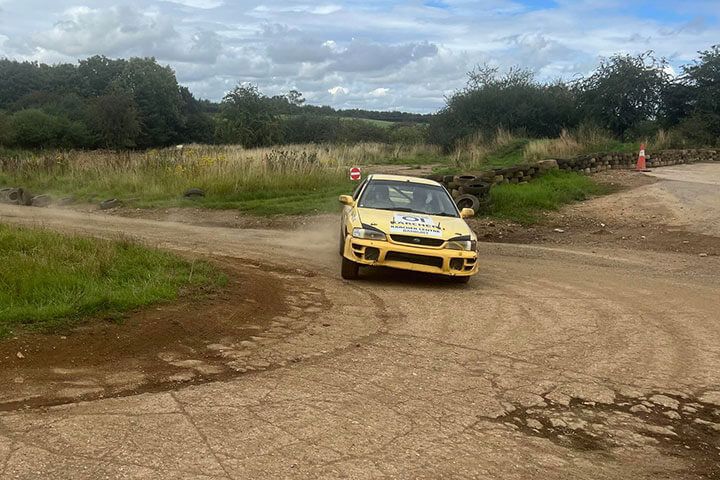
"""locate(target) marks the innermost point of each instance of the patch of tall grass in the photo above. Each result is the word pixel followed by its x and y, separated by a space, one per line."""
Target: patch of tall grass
pixel 51 280
pixel 583 140
pixel 524 202
pixel 481 152
pixel 292 179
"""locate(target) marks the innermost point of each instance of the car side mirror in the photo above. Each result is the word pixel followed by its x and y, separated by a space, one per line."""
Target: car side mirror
pixel 467 213
pixel 347 200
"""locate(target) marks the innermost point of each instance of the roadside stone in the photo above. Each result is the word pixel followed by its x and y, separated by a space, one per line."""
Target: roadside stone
pixel 711 397
pixel 705 423
pixel 672 414
pixel 558 398
pixel 639 409
pixel 532 423
pixel 665 401
pixel 20 355
pixel 659 430
pixel 689 409
pixel 558 423
pixel 703 255
pixel 558 230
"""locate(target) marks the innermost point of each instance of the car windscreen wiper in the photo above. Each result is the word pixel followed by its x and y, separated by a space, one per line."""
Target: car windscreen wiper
pixel 443 214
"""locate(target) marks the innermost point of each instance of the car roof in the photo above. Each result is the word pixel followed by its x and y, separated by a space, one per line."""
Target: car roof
pixel 403 178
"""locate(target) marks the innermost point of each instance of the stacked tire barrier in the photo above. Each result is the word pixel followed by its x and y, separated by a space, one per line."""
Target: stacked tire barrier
pixel 464 187
pixel 627 161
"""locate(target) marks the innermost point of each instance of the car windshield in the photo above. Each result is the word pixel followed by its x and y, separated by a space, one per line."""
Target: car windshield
pixel 408 197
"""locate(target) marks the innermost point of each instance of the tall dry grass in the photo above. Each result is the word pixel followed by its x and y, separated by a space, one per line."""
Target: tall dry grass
pixel 584 139
pixel 479 151
pixel 229 174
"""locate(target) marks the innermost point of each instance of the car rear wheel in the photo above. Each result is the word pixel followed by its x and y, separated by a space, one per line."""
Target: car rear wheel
pixel 349 270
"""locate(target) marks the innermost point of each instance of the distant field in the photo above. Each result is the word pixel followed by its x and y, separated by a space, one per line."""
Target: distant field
pixel 50 280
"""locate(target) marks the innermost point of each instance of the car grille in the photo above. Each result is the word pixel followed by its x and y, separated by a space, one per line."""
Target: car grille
pixel 412 258
pixel 412 240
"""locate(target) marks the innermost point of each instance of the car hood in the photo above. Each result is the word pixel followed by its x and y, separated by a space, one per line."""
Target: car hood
pixel 415 224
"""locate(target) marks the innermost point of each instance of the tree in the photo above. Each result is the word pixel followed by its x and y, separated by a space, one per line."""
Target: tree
pixel 247 118
pixel 157 98
pixel 623 91
pixel 700 102
pixel 34 129
pixel 114 120
pixel 513 101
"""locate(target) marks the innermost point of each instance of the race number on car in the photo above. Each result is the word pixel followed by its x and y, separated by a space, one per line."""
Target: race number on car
pixel 414 224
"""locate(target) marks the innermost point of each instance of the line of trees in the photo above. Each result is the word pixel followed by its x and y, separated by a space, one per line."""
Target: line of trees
pixel 630 96
pixel 137 103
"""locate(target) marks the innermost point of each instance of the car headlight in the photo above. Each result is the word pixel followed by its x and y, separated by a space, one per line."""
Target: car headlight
pixel 462 244
pixel 368 234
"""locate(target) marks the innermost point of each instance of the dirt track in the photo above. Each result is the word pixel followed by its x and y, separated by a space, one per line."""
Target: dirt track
pixel 555 362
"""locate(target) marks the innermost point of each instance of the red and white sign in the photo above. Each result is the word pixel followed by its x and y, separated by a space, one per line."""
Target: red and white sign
pixel 355 173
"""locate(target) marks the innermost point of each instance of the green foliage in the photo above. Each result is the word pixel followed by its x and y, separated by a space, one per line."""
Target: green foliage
pixel 245 118
pixel 524 202
pixel 514 101
pixel 623 91
pixel 693 103
pixel 98 103
pixel 35 128
pixel 115 120
pixel 51 280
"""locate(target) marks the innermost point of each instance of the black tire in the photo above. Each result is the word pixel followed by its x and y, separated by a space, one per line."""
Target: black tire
pixel 350 270
pixel 468 201
pixel 194 193
pixel 462 280
pixel 464 179
pixel 108 204
pixel 342 242
pixel 475 188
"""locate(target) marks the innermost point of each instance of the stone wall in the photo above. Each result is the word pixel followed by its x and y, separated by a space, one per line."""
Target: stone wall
pixel 599 162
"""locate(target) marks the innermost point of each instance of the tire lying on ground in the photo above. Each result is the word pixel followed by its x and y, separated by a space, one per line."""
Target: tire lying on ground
pixel 475 188
pixel 464 179
pixel 194 193
pixel 108 204
pixel 468 201
pixel 16 196
pixel 41 200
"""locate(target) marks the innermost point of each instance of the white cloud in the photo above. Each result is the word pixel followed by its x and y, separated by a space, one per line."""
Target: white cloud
pixel 204 4
pixel 375 54
pixel 338 90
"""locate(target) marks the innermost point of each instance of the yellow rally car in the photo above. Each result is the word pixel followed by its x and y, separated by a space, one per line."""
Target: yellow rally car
pixel 408 223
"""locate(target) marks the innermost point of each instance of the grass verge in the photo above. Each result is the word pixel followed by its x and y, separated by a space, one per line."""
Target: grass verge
pixel 523 203
pixel 50 281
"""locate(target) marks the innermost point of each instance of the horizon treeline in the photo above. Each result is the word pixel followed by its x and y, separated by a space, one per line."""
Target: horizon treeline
pixel 138 103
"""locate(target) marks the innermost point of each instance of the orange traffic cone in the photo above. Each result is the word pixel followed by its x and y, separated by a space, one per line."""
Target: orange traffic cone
pixel 641 160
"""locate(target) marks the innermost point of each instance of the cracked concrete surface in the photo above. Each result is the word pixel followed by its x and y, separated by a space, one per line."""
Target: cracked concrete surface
pixel 551 363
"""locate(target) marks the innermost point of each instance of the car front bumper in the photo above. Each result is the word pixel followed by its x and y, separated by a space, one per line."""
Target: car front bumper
pixel 441 261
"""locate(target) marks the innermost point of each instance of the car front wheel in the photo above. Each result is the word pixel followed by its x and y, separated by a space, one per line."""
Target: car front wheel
pixel 463 279
pixel 349 270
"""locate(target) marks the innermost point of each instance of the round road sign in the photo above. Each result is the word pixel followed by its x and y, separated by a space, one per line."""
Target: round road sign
pixel 355 173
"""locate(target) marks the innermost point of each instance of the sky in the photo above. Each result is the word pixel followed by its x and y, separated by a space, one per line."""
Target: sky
pixel 383 55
